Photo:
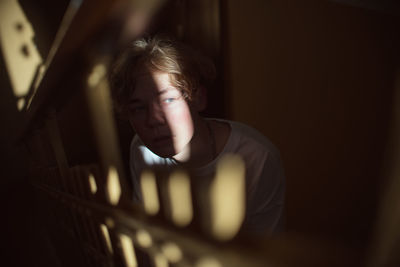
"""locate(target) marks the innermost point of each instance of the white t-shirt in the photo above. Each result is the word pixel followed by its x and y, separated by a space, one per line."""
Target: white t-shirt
pixel 265 181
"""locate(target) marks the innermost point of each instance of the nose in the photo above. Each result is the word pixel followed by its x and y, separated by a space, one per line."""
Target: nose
pixel 155 115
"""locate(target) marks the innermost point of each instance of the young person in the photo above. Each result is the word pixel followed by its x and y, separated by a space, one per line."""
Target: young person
pixel 161 86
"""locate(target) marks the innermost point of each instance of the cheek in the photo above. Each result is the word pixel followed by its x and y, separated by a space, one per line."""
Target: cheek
pixel 180 121
pixel 139 127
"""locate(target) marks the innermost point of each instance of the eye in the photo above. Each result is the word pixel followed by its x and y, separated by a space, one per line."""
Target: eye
pixel 169 100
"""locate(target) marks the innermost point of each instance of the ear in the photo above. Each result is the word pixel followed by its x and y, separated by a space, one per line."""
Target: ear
pixel 200 98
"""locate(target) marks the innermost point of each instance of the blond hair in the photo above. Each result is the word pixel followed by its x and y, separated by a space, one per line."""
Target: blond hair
pixel 187 68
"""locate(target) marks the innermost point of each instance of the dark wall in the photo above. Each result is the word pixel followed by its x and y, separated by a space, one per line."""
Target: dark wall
pixel 317 78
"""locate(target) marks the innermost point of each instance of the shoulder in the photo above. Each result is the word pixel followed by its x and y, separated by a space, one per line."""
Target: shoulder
pixel 135 142
pixel 138 150
pixel 247 139
pixel 262 158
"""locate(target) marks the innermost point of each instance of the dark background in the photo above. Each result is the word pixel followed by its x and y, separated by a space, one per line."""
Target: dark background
pixel 316 77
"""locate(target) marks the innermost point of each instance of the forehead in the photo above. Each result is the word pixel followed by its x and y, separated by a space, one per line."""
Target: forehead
pixel 152 83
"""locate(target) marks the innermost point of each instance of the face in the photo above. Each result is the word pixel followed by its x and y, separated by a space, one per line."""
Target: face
pixel 160 115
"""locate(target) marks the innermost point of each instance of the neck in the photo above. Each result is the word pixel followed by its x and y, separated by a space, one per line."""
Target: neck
pixel 201 149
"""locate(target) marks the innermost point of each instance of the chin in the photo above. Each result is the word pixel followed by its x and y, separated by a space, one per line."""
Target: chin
pixel 164 152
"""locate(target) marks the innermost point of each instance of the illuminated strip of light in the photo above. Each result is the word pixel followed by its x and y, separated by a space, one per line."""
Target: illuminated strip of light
pixel 227 197
pixel 149 192
pixel 92 183
pixel 143 238
pixel 106 236
pixel 128 250
pixel 172 252
pixel 113 186
pixel 20 53
pixel 160 260
pixel 180 198
pixel 96 75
